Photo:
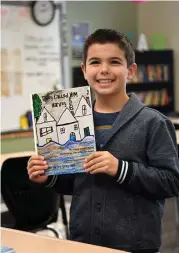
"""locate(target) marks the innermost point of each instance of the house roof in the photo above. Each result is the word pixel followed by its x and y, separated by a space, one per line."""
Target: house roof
pixel 41 118
pixel 82 102
pixel 66 118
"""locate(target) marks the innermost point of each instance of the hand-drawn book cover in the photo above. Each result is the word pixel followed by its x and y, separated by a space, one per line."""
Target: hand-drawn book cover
pixel 64 129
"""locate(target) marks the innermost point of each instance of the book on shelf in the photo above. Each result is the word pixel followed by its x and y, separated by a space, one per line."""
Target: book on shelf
pixel 63 128
pixel 148 98
pixel 158 72
pixel 164 97
pixel 165 73
pixel 154 98
pixel 151 73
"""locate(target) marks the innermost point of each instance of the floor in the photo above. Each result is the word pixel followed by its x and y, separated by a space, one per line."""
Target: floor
pixel 170 236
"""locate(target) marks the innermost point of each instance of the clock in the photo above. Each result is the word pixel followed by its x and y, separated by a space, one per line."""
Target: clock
pixel 43 12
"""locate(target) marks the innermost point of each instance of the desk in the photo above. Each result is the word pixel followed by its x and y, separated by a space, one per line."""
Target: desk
pixel 24 242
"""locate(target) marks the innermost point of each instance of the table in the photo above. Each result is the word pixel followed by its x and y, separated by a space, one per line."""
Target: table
pixel 24 242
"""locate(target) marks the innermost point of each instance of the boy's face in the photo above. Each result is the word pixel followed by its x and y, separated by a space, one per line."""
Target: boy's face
pixel 106 69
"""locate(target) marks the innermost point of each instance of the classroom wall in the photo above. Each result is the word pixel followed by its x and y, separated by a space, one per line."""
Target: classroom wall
pixel 118 15
pixel 162 17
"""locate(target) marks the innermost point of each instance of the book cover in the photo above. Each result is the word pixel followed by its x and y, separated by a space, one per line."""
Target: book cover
pixel 64 129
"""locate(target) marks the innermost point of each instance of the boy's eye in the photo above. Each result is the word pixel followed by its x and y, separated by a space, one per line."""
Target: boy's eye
pixel 115 62
pixel 94 62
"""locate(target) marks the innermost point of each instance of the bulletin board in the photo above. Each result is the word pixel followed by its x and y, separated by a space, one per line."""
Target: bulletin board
pixel 31 60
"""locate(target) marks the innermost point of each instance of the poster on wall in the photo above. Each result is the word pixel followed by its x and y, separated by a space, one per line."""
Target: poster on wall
pixel 64 128
pixel 31 61
pixel 80 31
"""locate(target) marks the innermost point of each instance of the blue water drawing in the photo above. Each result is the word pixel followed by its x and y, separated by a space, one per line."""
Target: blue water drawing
pixel 68 158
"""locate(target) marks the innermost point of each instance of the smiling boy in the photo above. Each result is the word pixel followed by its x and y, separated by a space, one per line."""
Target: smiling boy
pixel 119 201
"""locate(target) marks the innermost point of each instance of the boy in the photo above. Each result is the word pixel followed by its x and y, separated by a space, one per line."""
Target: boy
pixel 118 202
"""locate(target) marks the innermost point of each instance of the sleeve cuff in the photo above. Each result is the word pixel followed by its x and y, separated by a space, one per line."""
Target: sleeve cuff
pixel 124 173
pixel 50 181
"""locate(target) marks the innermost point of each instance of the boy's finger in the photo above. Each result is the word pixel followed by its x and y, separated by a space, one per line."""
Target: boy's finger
pixel 36 162
pixel 37 168
pixel 36 173
pixel 99 170
pixel 94 155
pixel 36 157
pixel 96 166
pixel 93 162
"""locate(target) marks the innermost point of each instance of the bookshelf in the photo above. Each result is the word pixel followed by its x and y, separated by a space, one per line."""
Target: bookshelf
pixel 154 80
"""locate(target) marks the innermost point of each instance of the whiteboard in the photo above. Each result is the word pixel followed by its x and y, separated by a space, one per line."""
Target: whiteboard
pixel 31 61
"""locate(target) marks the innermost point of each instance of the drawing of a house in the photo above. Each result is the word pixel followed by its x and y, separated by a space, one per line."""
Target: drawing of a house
pixel 83 116
pixel 46 128
pixel 68 127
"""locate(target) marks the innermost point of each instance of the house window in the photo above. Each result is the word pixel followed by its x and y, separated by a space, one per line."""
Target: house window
pixel 45 130
pixel 62 130
pixel 84 110
pixel 45 117
pixel 76 127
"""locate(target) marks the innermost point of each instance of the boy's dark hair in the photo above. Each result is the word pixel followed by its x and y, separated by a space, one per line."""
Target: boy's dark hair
pixel 103 36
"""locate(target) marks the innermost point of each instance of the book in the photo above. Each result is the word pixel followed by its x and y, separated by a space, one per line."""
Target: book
pixel 151 73
pixel 142 74
pixel 155 98
pixel 158 69
pixel 165 73
pixel 148 98
pixel 64 128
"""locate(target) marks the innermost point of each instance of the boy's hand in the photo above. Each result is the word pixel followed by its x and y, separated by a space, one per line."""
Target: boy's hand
pixel 101 162
pixel 36 167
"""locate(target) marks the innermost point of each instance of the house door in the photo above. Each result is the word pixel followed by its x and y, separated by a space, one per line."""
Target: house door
pixel 86 131
pixel 72 136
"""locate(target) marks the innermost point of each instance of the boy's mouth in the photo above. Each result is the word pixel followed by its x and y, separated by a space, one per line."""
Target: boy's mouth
pixel 105 81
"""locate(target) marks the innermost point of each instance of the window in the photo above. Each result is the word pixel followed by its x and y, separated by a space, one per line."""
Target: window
pixel 84 110
pixel 45 130
pixel 62 130
pixel 76 127
pixel 45 117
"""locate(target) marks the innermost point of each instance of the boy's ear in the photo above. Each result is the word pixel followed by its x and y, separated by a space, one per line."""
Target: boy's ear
pixel 83 69
pixel 131 71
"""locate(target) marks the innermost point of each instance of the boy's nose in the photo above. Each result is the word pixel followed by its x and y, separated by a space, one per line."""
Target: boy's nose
pixel 104 69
